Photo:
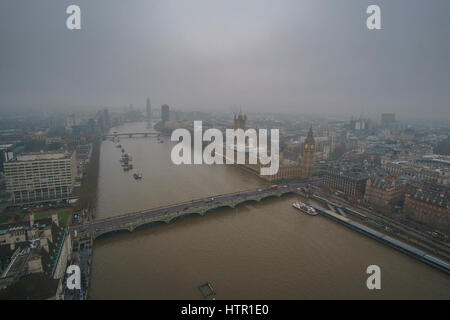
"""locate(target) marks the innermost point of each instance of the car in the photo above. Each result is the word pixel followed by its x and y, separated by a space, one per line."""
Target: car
pixel 259 190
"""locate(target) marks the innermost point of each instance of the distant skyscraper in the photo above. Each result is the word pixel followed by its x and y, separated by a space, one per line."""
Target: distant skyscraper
pixel 387 119
pixel 149 109
pixel 164 113
pixel 104 120
pixel 240 121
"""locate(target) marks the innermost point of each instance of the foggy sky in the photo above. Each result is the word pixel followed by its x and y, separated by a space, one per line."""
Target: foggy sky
pixel 261 55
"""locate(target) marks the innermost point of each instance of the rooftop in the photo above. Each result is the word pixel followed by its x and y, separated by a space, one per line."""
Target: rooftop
pixel 43 156
pixel 436 197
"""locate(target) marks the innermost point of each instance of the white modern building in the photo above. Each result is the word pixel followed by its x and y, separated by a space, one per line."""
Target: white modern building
pixel 40 176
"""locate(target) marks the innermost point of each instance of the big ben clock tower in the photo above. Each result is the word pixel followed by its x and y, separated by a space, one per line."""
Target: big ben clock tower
pixel 309 148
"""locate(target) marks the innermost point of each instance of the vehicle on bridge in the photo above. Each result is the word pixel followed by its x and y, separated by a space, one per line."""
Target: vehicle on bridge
pixel 274 187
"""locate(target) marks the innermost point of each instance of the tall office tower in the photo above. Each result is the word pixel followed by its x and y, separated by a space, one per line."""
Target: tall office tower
pixel 308 155
pixel 105 121
pixel 164 113
pixel 149 109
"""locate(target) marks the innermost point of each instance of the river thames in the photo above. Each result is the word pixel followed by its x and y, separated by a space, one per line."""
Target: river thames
pixel 265 250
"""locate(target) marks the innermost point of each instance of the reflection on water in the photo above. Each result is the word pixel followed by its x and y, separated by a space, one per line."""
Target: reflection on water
pixel 264 250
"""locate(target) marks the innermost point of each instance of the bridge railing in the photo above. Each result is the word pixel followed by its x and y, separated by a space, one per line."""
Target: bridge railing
pixel 129 214
pixel 129 133
pixel 136 213
pixel 168 215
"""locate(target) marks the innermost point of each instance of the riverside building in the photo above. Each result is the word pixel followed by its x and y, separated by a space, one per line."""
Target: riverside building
pixel 40 176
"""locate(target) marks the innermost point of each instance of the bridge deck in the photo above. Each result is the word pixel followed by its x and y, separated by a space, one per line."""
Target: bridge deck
pixel 132 220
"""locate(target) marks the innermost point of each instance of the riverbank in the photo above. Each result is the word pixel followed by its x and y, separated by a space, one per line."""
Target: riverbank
pixel 87 204
pixel 89 184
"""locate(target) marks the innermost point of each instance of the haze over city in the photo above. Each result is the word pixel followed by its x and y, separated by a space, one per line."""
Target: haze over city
pixel 261 56
pixel 225 150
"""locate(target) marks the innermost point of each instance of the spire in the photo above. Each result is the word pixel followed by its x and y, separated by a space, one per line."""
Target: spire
pixel 310 132
pixel 310 137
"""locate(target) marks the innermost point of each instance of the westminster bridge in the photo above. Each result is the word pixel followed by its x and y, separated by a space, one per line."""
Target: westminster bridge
pixel 129 134
pixel 133 220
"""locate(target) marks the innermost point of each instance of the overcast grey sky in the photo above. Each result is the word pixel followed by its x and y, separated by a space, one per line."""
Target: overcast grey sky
pixel 267 55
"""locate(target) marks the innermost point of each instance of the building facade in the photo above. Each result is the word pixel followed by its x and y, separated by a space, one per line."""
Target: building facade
pixel 429 204
pixel 352 184
pixel 440 175
pixel 384 193
pixel 40 177
pixel 288 169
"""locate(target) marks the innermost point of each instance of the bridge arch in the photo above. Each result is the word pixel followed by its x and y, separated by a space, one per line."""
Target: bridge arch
pixel 148 224
pixel 287 192
pixel 217 207
pixel 104 233
pixel 269 196
pixel 183 215
pixel 255 197
pixel 246 201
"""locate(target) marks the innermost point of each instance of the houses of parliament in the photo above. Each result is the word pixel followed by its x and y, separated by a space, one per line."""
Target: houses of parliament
pixel 302 168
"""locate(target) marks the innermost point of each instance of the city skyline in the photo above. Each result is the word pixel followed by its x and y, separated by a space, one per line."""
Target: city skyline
pixel 224 150
pixel 293 57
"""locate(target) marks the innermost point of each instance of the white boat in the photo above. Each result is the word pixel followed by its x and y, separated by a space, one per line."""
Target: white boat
pixel 304 208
